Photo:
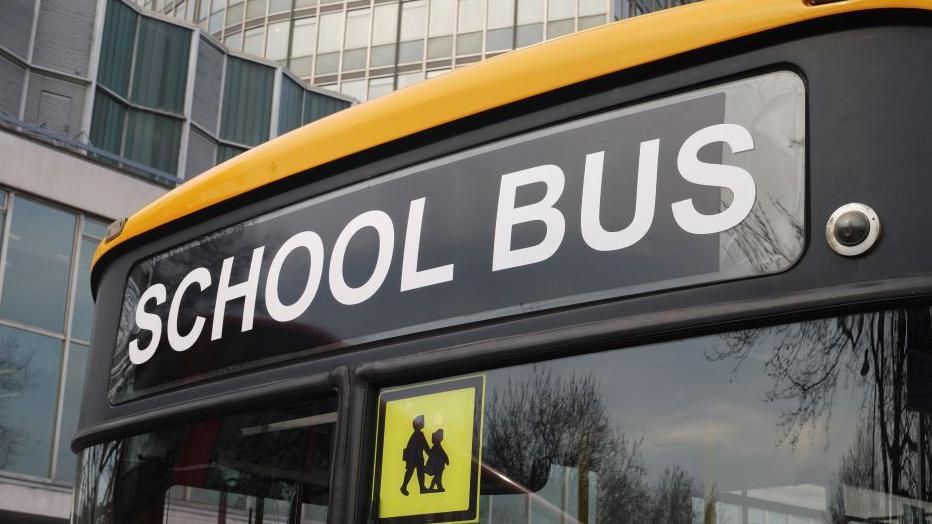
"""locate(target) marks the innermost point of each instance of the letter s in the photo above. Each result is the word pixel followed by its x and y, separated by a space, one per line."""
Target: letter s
pixel 739 181
pixel 149 322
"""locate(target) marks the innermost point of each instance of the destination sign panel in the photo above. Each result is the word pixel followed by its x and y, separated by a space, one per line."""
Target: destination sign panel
pixel 700 187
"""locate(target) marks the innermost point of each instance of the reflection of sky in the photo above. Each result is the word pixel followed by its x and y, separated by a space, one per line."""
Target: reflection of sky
pixel 710 418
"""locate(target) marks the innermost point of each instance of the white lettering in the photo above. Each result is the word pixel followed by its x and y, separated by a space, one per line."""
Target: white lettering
pixel 178 342
pixel 503 256
pixel 411 277
pixel 149 322
pixel 645 200
pixel 739 181
pixel 246 290
pixel 382 224
pixel 311 242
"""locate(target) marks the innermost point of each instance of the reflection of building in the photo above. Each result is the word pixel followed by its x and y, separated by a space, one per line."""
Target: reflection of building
pixel 103 108
pixel 367 48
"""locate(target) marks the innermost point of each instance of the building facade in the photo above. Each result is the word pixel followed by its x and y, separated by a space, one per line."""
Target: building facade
pixel 368 48
pixel 103 108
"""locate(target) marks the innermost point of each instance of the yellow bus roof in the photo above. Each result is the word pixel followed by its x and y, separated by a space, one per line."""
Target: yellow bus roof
pixel 515 76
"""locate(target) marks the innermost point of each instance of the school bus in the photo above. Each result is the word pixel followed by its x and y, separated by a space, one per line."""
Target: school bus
pixel 675 269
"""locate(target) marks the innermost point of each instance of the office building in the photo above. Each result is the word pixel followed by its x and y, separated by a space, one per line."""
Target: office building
pixel 103 107
pixel 368 48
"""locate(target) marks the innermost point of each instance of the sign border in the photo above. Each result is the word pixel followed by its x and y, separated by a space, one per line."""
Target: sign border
pixel 471 514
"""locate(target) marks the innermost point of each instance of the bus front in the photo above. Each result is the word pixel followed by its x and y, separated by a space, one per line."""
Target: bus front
pixel 670 270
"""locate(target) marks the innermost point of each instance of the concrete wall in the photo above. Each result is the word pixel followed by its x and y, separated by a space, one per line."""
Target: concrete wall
pixel 71 180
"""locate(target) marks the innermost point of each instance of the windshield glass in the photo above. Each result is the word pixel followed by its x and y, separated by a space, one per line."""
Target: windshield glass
pixel 270 466
pixel 819 421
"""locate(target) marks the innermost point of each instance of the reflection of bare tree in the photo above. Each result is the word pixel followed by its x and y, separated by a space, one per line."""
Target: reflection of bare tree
pixel 544 420
pixel 885 358
pixel 14 378
pixel 756 243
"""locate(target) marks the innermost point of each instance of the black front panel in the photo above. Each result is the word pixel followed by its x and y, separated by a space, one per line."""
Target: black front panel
pixel 868 120
pixel 614 204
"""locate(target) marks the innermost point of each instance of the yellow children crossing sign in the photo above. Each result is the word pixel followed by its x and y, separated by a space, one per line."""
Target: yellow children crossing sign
pixel 428 452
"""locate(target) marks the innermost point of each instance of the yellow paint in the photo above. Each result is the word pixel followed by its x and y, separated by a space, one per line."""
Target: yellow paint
pixel 486 85
pixel 454 412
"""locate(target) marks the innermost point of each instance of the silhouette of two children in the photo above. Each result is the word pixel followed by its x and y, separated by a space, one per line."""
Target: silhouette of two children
pixel 413 456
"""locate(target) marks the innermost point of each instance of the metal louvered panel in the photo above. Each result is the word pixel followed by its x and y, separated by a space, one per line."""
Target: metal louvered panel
pixel 64 33
pixel 202 152
pixel 55 104
pixel 11 86
pixel 207 86
pixel 15 25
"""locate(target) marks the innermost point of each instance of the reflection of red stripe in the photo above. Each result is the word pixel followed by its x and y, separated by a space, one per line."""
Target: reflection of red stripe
pixel 191 465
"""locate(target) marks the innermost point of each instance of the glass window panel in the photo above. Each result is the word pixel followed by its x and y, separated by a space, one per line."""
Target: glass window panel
pixel 560 9
pixel 302 67
pixel 383 55
pixel 440 47
pixel 161 70
pixel 413 20
pixel 587 22
pixel 409 79
pixel 234 42
pixel 442 17
pixel 107 123
pixel 327 63
pixel 74 386
pixel 291 103
pixel 470 16
pixel 215 24
pixel 499 39
pixel 247 102
pixel 357 29
pixel 304 37
pixel 255 9
pixel 116 50
pixel 83 315
pixel 529 34
pixel 437 72
pixel 235 14
pixel 226 152
pixel 298 4
pixel 579 435
pixel 385 24
pixel 204 6
pixel 272 465
pixel 28 400
pixel 411 52
pixel 501 13
pixel 592 7
pixel 331 33
pixel 279 6
pixel 381 86
pixel 354 59
pixel 278 36
pixel 530 11
pixel 559 28
pixel 38 265
pixel 95 228
pixel 469 44
pixel 153 140
pixel 354 88
pixel 252 42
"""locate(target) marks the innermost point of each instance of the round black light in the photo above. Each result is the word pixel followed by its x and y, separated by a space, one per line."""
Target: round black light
pixel 852 228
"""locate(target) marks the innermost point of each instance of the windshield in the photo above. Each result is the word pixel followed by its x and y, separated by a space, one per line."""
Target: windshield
pixel 270 466
pixel 820 421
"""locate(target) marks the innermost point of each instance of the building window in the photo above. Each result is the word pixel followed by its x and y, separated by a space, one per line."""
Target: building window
pixel 328 43
pixel 355 39
pixel 276 47
pixel 255 9
pixel 384 35
pixel 247 102
pixel 116 50
pixel 381 86
pixel 253 40
pixel 161 70
pixel 46 255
